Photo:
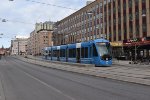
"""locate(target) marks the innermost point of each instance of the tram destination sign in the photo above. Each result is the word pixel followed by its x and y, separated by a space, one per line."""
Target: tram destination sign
pixel 101 43
pixel 78 45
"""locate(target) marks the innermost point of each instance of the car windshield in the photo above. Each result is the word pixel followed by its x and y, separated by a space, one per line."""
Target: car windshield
pixel 103 48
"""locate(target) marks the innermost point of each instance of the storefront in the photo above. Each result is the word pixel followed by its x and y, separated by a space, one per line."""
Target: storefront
pixel 137 48
pixel 117 49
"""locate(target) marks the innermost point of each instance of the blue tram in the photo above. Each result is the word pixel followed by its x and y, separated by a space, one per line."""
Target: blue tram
pixel 96 52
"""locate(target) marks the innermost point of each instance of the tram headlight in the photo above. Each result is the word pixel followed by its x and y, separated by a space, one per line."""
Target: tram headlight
pixel 106 57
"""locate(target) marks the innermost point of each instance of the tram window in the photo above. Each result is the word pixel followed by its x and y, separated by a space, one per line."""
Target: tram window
pixel 55 53
pixel 49 53
pixel 72 53
pixel 94 51
pixel 82 52
pixel 90 52
pixel 86 52
pixel 62 53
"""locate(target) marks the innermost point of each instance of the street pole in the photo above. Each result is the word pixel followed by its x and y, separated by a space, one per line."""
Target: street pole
pixel 135 52
pixel 122 49
pixel 18 47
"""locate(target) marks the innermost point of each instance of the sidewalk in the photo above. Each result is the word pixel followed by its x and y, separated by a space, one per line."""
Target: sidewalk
pixel 127 63
pixel 134 74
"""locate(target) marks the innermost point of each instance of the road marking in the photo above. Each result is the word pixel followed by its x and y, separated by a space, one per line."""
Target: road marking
pixel 71 98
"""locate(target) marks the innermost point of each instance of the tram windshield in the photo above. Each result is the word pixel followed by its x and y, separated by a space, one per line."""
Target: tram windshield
pixel 103 48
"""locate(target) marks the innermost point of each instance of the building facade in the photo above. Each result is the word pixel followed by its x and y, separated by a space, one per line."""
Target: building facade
pixel 48 25
pixel 115 20
pixel 41 37
pixel 18 46
pixel 29 46
pixel 2 51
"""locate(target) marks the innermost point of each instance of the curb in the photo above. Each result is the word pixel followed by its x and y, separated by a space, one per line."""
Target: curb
pixel 64 63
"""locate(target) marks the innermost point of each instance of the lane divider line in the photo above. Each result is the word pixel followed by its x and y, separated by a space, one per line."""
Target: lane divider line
pixel 53 88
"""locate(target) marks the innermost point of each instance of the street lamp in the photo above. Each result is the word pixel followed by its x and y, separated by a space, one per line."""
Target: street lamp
pixel 4 20
pixel 143 15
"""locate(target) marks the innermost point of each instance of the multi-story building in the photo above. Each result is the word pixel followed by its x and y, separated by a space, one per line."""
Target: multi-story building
pixel 2 51
pixel 29 46
pixel 48 25
pixel 115 20
pixel 18 46
pixel 41 37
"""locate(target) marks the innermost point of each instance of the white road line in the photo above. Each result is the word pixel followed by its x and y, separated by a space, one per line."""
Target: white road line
pixel 71 98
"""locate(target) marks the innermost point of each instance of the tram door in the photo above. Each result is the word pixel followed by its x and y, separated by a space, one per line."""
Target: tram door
pixel 78 55
pixel 78 52
pixel 58 55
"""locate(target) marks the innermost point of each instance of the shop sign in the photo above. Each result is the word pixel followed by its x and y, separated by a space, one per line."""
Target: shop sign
pixel 137 40
pixel 116 43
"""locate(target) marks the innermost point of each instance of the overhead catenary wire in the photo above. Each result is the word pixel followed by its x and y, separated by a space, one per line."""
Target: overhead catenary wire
pixel 51 4
pixel 5 20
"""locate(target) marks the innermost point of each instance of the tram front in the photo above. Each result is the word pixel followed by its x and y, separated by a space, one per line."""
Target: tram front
pixel 104 52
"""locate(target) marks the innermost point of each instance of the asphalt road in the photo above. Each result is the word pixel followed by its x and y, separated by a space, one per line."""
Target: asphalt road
pixel 24 81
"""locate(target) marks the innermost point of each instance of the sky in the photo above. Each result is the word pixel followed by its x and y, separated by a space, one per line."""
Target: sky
pixel 21 16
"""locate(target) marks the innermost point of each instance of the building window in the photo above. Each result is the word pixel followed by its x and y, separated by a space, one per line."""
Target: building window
pixel 101 4
pixel 144 28
pixel 137 15
pixel 130 3
pixel 105 2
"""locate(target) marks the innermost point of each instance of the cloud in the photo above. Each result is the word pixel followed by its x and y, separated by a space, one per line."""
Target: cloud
pixel 22 15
